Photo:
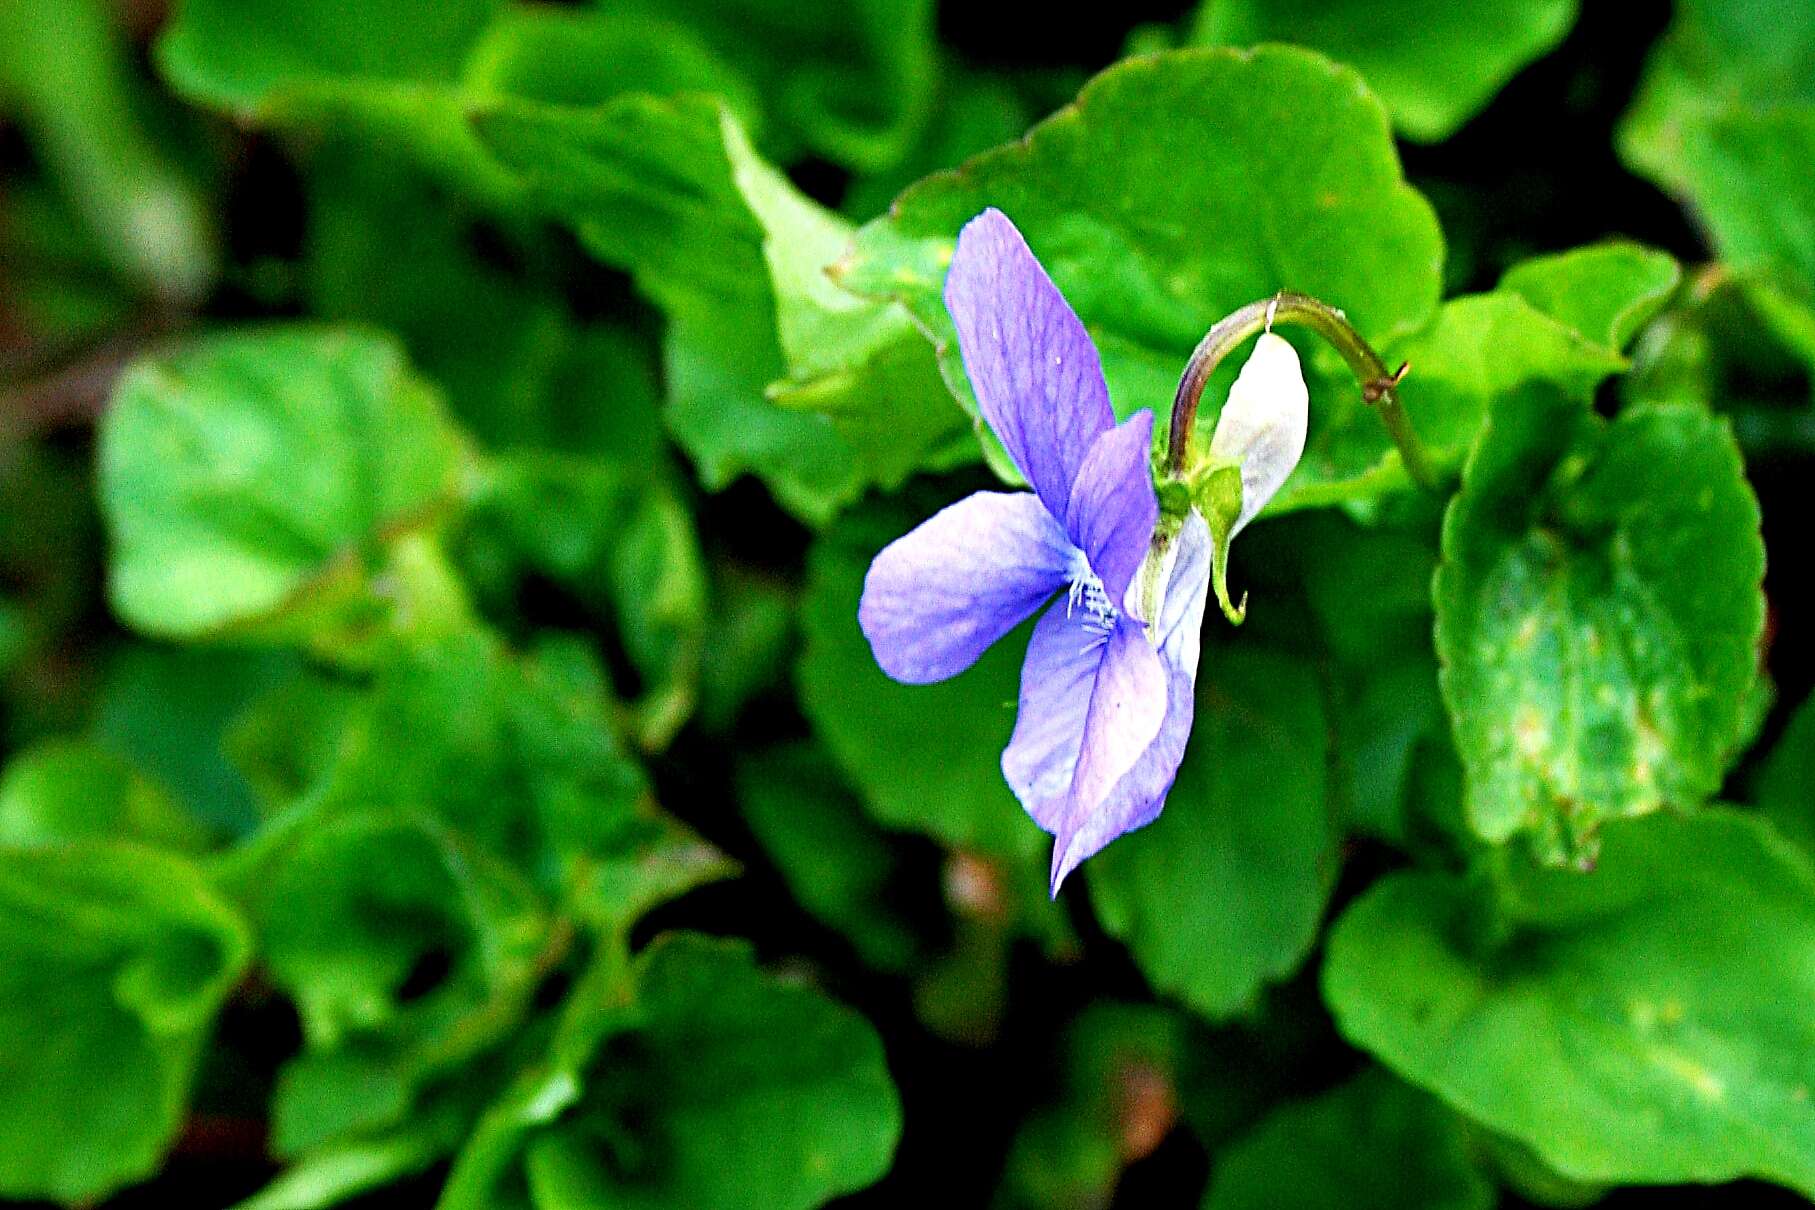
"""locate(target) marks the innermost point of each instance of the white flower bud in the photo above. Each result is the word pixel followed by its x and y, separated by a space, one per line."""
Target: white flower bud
pixel 1263 424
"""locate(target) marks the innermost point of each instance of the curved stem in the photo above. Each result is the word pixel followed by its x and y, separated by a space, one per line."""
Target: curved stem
pixel 1379 385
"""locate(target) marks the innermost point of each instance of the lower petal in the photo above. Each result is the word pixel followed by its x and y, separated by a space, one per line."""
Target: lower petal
pixel 1056 680
pixel 1085 826
pixel 936 598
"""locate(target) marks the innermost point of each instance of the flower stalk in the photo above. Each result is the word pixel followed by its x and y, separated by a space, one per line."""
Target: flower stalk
pixel 1379 385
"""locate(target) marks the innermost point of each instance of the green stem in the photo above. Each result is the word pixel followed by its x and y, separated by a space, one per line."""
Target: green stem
pixel 1379 385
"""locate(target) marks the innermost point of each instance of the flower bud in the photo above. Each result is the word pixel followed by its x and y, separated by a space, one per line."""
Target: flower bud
pixel 1263 424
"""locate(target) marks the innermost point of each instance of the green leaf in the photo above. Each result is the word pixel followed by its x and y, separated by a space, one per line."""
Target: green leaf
pixel 1653 1003
pixel 617 535
pixel 1223 893
pixel 1786 783
pixel 256 54
pixel 63 790
pixel 1747 175
pixel 1433 63
pixel 252 480
pixel 851 80
pixel 66 66
pixel 708 1083
pixel 863 365
pixel 408 950
pixel 926 758
pixel 1715 58
pixel 835 861
pixel 113 961
pixel 1603 292
pixel 1599 612
pixel 1370 589
pixel 169 712
pixel 1292 183
pixel 1373 1142
pixel 1725 119
pixel 522 758
pixel 581 57
pixel 759 342
pixel 1476 348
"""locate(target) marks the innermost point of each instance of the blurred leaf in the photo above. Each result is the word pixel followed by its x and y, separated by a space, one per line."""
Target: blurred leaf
pixel 64 790
pixel 617 535
pixel 835 861
pixel 67 67
pixel 1303 191
pixel 580 57
pixel 735 255
pixel 1604 292
pixel 521 757
pixel 1117 1104
pixel 1599 612
pixel 1373 1142
pixel 852 80
pixel 1786 783
pixel 1223 893
pixel 169 710
pixel 1433 63
pixel 248 55
pixel 694 1079
pixel 1654 1001
pixel 407 950
pixel 1747 176
pixel 253 481
pixel 974 112
pixel 752 627
pixel 1715 57
pixel 1725 119
pixel 113 962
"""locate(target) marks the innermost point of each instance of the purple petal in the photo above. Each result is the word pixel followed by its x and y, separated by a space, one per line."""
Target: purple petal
pixel 937 597
pixel 1113 507
pixel 1137 798
pixel 1056 680
pixel 1029 360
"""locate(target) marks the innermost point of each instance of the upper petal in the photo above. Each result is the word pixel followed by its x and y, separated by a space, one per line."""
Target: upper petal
pixel 937 597
pixel 1113 508
pixel 1137 798
pixel 1029 360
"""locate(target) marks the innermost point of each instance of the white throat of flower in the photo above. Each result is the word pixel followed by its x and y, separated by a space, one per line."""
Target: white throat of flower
pixel 1086 599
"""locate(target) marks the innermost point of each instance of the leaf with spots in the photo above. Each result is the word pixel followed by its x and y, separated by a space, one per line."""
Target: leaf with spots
pixel 1640 1024
pixel 1599 611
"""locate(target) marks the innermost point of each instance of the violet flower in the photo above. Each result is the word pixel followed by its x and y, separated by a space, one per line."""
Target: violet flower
pixel 1107 686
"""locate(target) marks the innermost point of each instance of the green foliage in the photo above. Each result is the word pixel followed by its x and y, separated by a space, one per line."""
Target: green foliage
pixel 1725 118
pixel 1371 1142
pixel 1224 892
pixel 255 482
pixel 1248 180
pixel 1598 617
pixel 1636 1025
pixel 442 447
pixel 721 1086
pixel 1433 63
pixel 115 959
